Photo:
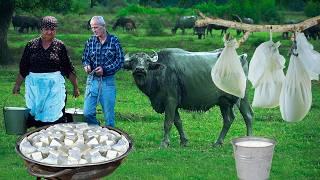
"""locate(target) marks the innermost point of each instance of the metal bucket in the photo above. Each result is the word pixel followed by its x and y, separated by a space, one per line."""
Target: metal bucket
pixel 76 113
pixel 253 156
pixel 15 119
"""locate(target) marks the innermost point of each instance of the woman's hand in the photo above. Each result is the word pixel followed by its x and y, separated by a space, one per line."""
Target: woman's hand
pixel 16 89
pixel 76 92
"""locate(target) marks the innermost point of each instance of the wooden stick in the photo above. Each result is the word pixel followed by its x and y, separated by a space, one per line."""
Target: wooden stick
pixel 258 28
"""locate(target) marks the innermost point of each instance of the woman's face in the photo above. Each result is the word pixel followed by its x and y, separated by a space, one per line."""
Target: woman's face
pixel 48 34
pixel 97 29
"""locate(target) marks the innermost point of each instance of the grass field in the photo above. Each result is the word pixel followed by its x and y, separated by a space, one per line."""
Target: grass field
pixel 296 154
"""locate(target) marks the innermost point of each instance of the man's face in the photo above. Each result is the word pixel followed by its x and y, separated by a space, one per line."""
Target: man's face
pixel 48 33
pixel 97 29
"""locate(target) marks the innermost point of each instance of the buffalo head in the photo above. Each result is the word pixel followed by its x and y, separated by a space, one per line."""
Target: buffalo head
pixel 141 64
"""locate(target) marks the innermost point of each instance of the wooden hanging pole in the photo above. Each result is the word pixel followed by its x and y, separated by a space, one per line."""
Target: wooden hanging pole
pixel 259 28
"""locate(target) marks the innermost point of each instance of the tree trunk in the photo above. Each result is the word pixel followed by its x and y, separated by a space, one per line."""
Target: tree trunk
pixel 92 2
pixel 258 28
pixel 6 9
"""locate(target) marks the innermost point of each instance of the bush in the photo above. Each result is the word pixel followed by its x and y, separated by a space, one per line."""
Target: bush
pixel 312 9
pixel 79 7
pixel 260 10
pixel 136 9
pixel 154 28
pixel 213 9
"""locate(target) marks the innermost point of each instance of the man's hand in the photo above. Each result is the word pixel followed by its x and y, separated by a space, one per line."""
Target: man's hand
pixel 99 71
pixel 87 69
pixel 16 89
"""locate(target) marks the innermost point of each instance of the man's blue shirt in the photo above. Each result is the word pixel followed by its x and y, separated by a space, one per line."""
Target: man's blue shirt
pixel 108 55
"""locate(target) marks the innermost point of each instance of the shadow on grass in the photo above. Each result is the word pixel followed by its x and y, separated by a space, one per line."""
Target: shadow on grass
pixel 137 117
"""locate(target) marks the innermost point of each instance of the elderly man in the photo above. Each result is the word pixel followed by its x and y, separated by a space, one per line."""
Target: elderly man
pixel 102 58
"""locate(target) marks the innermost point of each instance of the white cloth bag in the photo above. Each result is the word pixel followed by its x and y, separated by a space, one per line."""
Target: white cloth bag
pixel 310 58
pixel 266 74
pixel 296 95
pixel 227 74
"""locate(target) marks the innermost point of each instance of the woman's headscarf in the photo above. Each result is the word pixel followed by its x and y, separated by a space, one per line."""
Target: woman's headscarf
pixel 49 22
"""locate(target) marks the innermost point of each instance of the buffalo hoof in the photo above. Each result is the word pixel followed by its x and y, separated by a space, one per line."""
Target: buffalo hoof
pixel 164 144
pixel 184 143
pixel 217 144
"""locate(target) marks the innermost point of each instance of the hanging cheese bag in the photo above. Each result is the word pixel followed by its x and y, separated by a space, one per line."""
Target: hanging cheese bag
pixel 266 75
pixel 310 58
pixel 295 96
pixel 227 74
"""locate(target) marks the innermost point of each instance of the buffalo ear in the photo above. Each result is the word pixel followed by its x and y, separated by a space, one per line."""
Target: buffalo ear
pixel 155 66
pixel 127 65
pixel 127 62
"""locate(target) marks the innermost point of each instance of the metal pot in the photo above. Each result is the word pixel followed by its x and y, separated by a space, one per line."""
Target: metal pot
pixel 79 171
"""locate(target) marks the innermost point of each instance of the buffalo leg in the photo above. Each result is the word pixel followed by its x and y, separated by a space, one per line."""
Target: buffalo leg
pixel 178 124
pixel 169 118
pixel 247 114
pixel 228 117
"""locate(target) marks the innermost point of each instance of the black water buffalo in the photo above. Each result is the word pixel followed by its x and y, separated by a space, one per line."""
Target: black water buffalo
pixel 174 78
pixel 285 35
pixel 200 31
pixel 216 27
pixel 245 20
pixel 25 22
pixel 124 22
pixel 313 32
pixel 88 25
pixel 184 22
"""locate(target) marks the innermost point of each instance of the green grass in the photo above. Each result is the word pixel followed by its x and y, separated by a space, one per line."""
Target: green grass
pixel 296 154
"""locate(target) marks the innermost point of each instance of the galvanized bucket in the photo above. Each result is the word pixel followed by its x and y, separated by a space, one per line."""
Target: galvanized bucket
pixel 253 156
pixel 15 120
pixel 76 113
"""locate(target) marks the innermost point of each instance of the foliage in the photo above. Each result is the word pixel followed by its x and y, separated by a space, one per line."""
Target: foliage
pixel 79 7
pixel 213 9
pixel 294 5
pixel 136 9
pixel 61 6
pixel 261 10
pixel 155 27
pixel 312 8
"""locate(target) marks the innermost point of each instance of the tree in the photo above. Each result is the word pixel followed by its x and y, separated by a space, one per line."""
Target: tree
pixel 7 8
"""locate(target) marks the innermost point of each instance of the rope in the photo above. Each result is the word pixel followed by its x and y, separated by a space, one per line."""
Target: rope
pixel 91 75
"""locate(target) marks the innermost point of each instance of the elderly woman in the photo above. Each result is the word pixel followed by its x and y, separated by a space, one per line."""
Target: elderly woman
pixel 43 64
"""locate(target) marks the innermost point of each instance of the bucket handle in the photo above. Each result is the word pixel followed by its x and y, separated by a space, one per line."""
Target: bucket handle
pixel 46 174
pixel 74 105
pixel 7 98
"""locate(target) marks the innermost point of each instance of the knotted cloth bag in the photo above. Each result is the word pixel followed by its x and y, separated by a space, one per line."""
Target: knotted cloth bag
pixel 266 74
pixel 310 58
pixel 227 74
pixel 296 95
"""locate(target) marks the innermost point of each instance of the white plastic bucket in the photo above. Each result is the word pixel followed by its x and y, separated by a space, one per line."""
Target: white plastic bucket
pixel 253 156
pixel 15 119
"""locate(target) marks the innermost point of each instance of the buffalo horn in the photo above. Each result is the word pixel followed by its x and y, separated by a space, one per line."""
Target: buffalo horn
pixel 127 57
pixel 154 57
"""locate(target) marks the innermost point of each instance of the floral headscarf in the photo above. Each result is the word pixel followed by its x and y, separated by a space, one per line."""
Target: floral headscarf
pixel 49 22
